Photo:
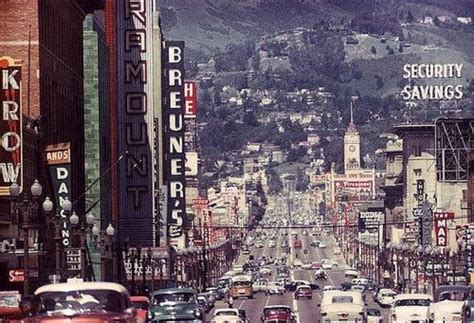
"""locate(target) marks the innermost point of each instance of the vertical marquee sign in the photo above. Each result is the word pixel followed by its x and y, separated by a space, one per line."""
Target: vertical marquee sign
pixel 58 158
pixel 11 150
pixel 135 117
pixel 174 153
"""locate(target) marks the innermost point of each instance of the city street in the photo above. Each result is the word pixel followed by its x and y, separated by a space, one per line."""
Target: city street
pixel 306 310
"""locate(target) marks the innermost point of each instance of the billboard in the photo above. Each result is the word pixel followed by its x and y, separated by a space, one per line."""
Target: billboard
pixel 58 158
pixel 174 162
pixel 441 227
pixel 11 150
pixel 136 121
pixel 190 98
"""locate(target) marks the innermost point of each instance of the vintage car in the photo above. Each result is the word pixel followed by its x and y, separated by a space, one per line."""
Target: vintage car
pixel 339 305
pixel 277 313
pixel 276 288
pixel 80 301
pixel 468 306
pixel 373 315
pixel 303 291
pixel 10 305
pixel 410 308
pixel 448 303
pixel 175 304
pixel 320 274
pixel 229 315
pixel 291 286
pixel 204 302
pixel 385 297
pixel 142 305
pixel 351 272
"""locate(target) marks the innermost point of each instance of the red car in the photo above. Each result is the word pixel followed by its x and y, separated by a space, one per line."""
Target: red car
pixel 298 244
pixel 142 305
pixel 303 291
pixel 315 265
pixel 277 313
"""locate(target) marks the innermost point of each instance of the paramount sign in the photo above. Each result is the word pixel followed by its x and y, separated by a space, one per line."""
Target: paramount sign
pixel 11 145
pixel 441 220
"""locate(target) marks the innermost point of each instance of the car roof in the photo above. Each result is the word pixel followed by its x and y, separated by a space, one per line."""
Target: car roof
pixel 303 286
pixel 455 288
pixel 139 299
pixel 413 296
pixel 75 286
pixel 276 306
pixel 219 310
pixel 173 291
pixel 356 296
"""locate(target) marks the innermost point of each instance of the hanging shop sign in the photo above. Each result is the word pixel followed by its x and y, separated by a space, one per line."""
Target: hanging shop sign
pixel 441 220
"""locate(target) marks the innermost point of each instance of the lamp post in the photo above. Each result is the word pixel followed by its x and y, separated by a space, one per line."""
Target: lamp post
pixel 27 207
pixel 104 240
pixel 85 227
pixel 426 256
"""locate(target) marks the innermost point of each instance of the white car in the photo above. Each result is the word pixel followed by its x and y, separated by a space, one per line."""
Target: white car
pixel 276 288
pixel 228 315
pixel 306 265
pixel 265 271
pixel 327 264
pixel 373 315
pixel 385 297
pixel 322 245
pixel 449 301
pixel 410 307
pixel 260 286
pixel 351 272
pixel 336 251
pixel 339 305
pixel 329 287
pixel 297 263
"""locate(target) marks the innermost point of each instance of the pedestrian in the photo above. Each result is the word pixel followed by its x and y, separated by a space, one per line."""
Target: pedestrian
pixel 230 301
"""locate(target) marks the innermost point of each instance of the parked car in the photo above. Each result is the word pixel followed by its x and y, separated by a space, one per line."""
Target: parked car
pixel 410 307
pixel 351 272
pixel 448 303
pixel 141 305
pixel 229 315
pixel 385 297
pixel 92 302
pixel 303 291
pixel 277 313
pixel 373 315
pixel 175 304
pixel 339 305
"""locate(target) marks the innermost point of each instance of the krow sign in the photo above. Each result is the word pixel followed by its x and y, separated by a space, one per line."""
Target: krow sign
pixel 11 145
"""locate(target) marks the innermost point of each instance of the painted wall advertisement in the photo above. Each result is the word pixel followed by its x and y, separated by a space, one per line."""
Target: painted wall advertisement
pixel 11 150
pixel 174 157
pixel 58 158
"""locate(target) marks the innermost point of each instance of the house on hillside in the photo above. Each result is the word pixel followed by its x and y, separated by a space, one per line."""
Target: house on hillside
pixel 464 20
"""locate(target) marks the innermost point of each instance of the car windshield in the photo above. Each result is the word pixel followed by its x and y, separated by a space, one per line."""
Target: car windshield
pixel 388 294
pixel 373 312
pixel 451 296
pixel 342 299
pixel 174 298
pixel 83 301
pixel 141 305
pixel 9 300
pixel 413 302
pixel 241 283
pixel 226 313
pixel 276 311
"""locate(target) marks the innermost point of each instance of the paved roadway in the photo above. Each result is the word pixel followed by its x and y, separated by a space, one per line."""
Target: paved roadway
pixel 307 311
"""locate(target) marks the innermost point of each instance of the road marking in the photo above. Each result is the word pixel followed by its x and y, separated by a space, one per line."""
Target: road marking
pixel 295 309
pixel 268 300
pixel 241 304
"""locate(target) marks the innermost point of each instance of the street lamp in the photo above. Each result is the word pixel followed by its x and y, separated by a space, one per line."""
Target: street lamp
pixel 27 207
pixel 82 232
pixel 104 241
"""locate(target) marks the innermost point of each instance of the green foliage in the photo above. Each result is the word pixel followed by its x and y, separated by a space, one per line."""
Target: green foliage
pixel 373 50
pixel 391 51
pixel 274 181
pixel 234 58
pixel 410 17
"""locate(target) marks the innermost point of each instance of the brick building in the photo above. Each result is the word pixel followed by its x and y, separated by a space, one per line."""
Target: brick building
pixel 48 35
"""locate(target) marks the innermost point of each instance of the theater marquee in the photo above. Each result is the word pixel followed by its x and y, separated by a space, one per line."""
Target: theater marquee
pixel 11 144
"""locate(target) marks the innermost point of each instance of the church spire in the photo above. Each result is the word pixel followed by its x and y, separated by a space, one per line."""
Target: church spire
pixel 352 113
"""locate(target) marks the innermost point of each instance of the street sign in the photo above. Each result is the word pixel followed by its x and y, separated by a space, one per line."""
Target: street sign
pixel 16 275
pixel 73 259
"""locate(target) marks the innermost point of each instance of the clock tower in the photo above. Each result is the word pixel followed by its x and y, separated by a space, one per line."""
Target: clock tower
pixel 351 147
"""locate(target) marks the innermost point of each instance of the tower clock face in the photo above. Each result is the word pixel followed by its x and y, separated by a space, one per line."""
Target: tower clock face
pixel 352 148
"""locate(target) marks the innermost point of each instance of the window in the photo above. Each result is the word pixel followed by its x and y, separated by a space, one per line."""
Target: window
pixel 417 172
pixel 416 151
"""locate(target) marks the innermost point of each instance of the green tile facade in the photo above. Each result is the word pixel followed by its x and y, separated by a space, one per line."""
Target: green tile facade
pixel 96 127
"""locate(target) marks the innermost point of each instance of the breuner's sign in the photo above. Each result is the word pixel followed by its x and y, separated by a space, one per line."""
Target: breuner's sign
pixel 11 144
pixel 174 156
pixel 59 164
pixel 136 120
pixel 190 109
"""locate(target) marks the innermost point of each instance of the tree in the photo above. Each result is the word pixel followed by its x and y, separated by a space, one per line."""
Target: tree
pixel 410 18
pixel 401 36
pixel 387 47
pixel 373 50
pixel 391 51
pixel 400 48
